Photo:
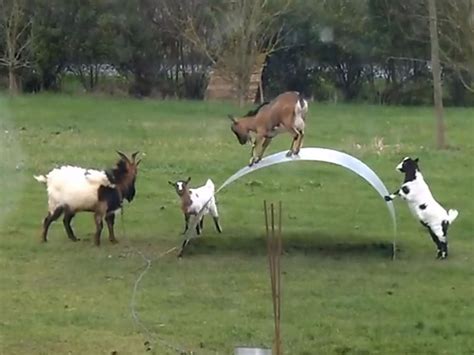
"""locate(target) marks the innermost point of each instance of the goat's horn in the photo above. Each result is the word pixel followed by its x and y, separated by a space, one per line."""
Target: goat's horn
pixel 123 156
pixel 232 118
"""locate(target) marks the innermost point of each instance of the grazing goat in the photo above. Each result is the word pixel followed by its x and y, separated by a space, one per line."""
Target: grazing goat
pixel 193 201
pixel 73 189
pixel 287 112
pixel 423 205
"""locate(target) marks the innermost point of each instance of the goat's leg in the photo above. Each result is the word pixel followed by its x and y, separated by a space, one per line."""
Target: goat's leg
pixel 392 196
pixel 299 143
pixel 296 135
pixel 181 252
pixel 99 225
pixel 110 219
pixel 441 231
pixel 216 223
pixel 436 241
pixel 50 218
pixel 201 223
pixel 198 227
pixel 68 216
pixel 265 145
pixel 186 223
pixel 256 156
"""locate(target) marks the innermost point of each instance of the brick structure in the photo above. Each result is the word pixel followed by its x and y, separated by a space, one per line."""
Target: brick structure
pixel 220 87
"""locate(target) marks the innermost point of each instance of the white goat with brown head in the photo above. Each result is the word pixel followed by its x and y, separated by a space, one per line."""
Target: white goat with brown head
pixel 286 113
pixel 72 189
pixel 196 202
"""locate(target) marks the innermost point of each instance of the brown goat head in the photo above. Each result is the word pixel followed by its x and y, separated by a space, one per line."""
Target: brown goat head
pixel 124 175
pixel 240 130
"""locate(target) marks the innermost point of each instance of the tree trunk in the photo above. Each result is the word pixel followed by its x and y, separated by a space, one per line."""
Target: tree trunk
pixel 436 71
pixel 12 81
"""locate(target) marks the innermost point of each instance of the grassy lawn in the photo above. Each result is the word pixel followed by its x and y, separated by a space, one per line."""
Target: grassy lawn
pixel 341 292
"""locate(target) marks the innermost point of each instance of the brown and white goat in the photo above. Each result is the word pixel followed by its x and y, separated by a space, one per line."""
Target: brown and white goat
pixel 286 113
pixel 194 201
pixel 73 189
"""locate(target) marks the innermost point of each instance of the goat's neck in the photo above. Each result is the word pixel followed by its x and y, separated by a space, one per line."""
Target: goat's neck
pixel 186 200
pixel 250 123
pixel 412 175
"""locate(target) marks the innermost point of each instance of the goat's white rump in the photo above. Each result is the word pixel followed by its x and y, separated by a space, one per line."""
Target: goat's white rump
pixel 74 187
pixel 203 199
pixel 322 155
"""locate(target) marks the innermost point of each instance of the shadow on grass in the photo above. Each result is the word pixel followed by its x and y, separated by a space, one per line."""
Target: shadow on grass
pixel 294 243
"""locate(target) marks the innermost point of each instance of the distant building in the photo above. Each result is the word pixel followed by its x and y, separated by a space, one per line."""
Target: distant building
pixel 221 87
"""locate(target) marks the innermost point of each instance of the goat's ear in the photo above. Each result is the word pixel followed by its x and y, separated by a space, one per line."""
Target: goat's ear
pixel 232 118
pixel 134 155
pixel 123 156
pixel 188 180
pixel 416 160
pixel 171 183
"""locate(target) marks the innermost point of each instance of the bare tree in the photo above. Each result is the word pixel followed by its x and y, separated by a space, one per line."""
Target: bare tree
pixel 436 71
pixel 16 30
pixel 456 23
pixel 232 34
pixel 448 27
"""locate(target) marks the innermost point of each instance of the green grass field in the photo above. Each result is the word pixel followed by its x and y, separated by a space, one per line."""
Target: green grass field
pixel 342 294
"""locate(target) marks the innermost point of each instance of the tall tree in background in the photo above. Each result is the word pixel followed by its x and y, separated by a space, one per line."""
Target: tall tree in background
pixel 436 71
pixel 16 35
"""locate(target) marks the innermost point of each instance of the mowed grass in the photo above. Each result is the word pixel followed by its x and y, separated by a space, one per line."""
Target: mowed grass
pixel 342 294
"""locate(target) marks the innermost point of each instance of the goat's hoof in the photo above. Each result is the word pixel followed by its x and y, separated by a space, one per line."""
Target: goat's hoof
pixel 113 241
pixel 289 154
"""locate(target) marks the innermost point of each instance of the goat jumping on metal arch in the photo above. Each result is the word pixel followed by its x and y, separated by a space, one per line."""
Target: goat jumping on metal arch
pixel 286 113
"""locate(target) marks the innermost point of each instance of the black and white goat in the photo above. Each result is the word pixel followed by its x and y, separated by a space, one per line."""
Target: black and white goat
pixel 193 201
pixel 423 205
pixel 73 189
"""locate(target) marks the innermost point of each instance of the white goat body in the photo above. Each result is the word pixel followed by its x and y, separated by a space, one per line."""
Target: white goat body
pixel 200 196
pixel 433 214
pixel 74 187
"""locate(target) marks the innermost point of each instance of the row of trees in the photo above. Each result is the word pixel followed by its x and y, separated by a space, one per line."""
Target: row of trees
pixel 374 50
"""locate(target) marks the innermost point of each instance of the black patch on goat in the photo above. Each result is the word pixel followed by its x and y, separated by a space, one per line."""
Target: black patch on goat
pixel 405 190
pixel 256 110
pixel 110 175
pixel 111 197
pixel 422 206
pixel 445 226
pixel 410 167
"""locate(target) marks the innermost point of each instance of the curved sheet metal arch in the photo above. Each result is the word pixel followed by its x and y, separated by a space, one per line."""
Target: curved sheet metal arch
pixel 321 155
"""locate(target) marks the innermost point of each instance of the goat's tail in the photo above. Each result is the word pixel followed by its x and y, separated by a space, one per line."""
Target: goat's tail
pixel 41 178
pixel 301 107
pixel 452 215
